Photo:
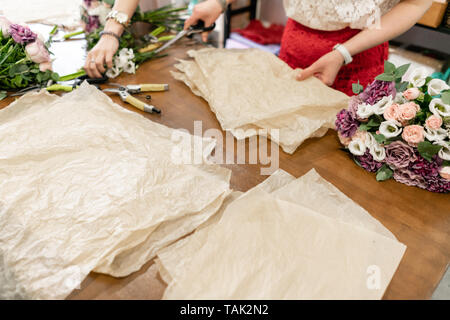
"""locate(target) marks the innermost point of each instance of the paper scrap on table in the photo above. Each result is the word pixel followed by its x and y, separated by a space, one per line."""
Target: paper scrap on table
pixel 60 12
pixel 284 239
pixel 252 89
pixel 86 185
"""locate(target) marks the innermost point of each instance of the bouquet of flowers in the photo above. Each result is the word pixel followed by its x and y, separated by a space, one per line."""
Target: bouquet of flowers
pixel 24 57
pixel 400 129
pixel 133 50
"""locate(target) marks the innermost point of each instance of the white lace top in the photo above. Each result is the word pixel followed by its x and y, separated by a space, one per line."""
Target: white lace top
pixel 337 14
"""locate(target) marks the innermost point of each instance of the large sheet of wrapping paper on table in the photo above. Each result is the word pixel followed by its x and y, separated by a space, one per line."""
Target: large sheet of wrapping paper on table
pixel 253 89
pixel 88 185
pixel 278 242
pixel 61 12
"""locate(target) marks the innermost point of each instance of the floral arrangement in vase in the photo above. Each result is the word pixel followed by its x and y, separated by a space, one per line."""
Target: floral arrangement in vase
pixel 24 57
pixel 400 129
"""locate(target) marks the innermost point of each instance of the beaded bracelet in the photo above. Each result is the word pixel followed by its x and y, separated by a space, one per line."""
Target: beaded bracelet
pixel 109 33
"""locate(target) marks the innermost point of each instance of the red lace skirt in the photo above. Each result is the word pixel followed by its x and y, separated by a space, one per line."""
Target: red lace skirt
pixel 302 46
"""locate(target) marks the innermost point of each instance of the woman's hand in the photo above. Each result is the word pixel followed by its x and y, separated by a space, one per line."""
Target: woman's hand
pixel 326 68
pixel 208 11
pixel 100 55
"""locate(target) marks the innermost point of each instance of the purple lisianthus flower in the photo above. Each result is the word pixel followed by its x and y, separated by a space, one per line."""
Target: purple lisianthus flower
pixel 399 155
pixel 21 34
pixel 367 162
pixel 377 90
pixel 409 178
pixel 346 124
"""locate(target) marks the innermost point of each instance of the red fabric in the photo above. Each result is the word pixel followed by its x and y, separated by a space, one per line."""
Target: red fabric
pixel 302 46
pixel 256 32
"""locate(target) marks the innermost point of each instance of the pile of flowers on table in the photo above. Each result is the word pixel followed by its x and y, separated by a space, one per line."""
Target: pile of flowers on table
pixel 24 57
pixel 400 129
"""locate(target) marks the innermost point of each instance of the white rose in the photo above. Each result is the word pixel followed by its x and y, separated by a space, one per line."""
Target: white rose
pixel 436 135
pixel 444 153
pixel 390 128
pixel 436 86
pixel 378 152
pixel 357 147
pixel 365 111
pixel 418 77
pixel 439 108
pixel 380 106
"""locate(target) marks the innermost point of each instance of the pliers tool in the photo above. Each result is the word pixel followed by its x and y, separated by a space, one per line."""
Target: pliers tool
pixel 125 93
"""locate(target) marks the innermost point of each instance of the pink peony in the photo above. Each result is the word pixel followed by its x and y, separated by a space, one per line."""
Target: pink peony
pixel 37 52
pixel 413 135
pixel 44 66
pixel 392 112
pixel 407 111
pixel 4 26
pixel 411 93
pixel 433 122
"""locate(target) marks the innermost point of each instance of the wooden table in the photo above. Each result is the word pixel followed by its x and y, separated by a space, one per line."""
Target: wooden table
pixel 418 218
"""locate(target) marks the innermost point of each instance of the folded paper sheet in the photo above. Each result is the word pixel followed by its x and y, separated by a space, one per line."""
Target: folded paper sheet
pixel 252 89
pixel 87 185
pixel 60 12
pixel 270 244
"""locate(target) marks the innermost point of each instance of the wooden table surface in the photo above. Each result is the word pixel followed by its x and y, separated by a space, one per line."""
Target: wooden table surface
pixel 418 218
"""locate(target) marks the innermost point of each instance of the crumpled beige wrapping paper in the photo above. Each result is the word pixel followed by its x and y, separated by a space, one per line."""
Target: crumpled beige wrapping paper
pixel 284 239
pixel 87 185
pixel 253 89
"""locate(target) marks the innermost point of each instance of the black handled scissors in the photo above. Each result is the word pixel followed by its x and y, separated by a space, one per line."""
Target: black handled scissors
pixel 197 28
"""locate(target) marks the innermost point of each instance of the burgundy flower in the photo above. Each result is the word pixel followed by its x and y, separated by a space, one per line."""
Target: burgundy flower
pixel 399 155
pixel 346 124
pixel 409 178
pixel 438 184
pixel 377 90
pixel 425 168
pixel 367 162
pixel 21 34
pixel 93 23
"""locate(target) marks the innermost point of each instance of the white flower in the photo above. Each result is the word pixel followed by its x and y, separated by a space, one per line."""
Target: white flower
pixel 378 152
pixel 364 111
pixel 380 106
pixel 390 128
pixel 436 86
pixel 439 108
pixel 418 77
pixel 101 12
pixel 436 135
pixel 444 153
pixel 128 53
pixel 370 140
pixel 130 67
pixel 113 72
pixel 357 147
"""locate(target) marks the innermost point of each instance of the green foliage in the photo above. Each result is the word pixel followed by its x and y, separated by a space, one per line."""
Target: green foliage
pixel 357 88
pixel 384 173
pixel 391 73
pixel 427 150
pixel 372 125
pixel 3 95
pixel 445 96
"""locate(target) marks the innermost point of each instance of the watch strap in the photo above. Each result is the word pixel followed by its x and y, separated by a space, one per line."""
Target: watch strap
pixel 343 50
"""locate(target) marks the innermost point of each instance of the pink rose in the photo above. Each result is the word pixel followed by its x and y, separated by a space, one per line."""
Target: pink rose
pixel 407 111
pixel 4 26
pixel 392 112
pixel 44 66
pixel 411 93
pixel 413 135
pixel 37 52
pixel 433 122
pixel 445 173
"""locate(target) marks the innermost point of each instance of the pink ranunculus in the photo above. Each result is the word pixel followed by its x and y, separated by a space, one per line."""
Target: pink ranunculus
pixel 407 111
pixel 413 134
pixel 392 112
pixel 44 66
pixel 4 26
pixel 433 122
pixel 445 173
pixel 37 52
pixel 411 93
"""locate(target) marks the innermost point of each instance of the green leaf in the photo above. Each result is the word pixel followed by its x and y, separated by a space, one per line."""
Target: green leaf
pixel 389 68
pixel 428 150
pixel 401 86
pixel 379 138
pixel 400 71
pixel 3 95
pixel 384 173
pixel 385 77
pixel 445 96
pixel 357 88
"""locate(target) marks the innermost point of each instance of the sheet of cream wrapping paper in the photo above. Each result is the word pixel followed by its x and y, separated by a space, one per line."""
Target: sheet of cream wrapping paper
pixel 274 247
pixel 60 12
pixel 88 185
pixel 253 89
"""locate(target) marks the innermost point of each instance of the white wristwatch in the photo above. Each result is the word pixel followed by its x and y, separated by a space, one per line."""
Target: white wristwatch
pixel 343 50
pixel 118 16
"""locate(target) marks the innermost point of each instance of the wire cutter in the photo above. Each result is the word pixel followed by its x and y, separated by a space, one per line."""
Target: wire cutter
pixel 125 93
pixel 198 28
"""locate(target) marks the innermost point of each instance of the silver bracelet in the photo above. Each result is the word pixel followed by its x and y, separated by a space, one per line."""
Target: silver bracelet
pixel 109 33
